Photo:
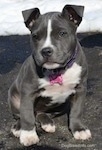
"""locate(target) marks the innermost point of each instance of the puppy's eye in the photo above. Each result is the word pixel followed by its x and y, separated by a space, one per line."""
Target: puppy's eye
pixel 62 33
pixel 35 37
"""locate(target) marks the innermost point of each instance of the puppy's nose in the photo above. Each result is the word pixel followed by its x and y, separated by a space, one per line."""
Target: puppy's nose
pixel 47 52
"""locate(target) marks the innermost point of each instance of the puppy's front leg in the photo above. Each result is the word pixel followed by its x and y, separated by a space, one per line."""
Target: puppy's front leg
pixel 79 131
pixel 28 134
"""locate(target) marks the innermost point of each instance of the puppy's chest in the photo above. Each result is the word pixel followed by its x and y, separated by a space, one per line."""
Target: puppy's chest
pixel 59 92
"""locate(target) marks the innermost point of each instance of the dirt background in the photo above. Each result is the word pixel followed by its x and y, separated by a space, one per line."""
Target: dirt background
pixel 13 51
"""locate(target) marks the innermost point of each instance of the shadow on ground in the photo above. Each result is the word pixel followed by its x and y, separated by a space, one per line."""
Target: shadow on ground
pixel 38 148
pixel 13 51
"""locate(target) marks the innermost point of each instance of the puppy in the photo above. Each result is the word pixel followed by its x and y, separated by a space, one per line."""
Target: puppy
pixel 55 75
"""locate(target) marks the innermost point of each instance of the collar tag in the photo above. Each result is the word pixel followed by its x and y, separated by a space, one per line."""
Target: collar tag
pixel 56 79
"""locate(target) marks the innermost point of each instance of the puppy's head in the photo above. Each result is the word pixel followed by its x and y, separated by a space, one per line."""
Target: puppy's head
pixel 53 34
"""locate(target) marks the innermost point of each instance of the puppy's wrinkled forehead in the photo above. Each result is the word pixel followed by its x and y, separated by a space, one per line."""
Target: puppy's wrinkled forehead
pixel 47 27
pixel 46 22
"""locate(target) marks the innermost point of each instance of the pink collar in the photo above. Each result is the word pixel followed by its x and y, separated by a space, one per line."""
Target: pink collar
pixel 56 79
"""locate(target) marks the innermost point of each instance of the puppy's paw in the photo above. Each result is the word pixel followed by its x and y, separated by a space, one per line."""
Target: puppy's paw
pixel 48 128
pixel 82 135
pixel 15 132
pixel 28 138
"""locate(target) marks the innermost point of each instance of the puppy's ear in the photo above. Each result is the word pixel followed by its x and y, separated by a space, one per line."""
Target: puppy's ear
pixel 74 13
pixel 30 16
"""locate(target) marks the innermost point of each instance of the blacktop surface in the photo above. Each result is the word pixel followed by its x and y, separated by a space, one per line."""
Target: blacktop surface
pixel 13 51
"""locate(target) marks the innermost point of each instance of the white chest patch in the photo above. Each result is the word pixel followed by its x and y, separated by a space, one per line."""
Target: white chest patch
pixel 59 93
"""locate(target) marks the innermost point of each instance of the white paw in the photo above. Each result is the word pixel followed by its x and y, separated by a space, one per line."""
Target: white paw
pixel 48 128
pixel 15 132
pixel 28 138
pixel 82 135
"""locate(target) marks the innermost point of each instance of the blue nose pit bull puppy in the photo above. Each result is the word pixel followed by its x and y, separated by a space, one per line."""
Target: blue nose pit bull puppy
pixel 52 81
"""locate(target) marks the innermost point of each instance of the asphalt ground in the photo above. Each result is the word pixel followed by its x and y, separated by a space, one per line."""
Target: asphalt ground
pixel 13 51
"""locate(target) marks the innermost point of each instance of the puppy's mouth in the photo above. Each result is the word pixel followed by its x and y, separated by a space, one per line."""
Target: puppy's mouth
pixel 50 65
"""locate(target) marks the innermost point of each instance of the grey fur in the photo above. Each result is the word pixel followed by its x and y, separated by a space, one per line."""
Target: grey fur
pixel 26 85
